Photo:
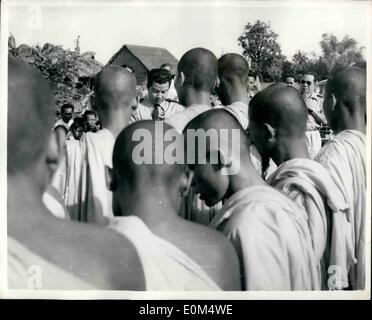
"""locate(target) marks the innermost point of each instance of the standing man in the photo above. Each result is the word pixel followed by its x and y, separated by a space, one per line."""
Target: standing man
pixel 156 106
pixel 316 117
pixel 345 157
pixel 67 111
pixel 253 84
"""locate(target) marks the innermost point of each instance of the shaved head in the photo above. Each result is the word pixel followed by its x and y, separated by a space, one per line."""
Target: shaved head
pixel 233 75
pixel 233 66
pixel 349 85
pixel 345 99
pixel 282 107
pixel 133 174
pixel 114 88
pixel 227 147
pixel 200 67
pixel 31 109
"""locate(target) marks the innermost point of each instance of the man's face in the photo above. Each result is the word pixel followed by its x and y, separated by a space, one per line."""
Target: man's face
pixel 158 92
pixel 290 81
pixel 77 132
pixel 91 121
pixel 209 183
pixel 250 83
pixel 307 83
pixel 67 114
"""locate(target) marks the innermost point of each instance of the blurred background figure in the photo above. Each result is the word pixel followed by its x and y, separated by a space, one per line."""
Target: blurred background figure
pixel 90 121
pixel 253 84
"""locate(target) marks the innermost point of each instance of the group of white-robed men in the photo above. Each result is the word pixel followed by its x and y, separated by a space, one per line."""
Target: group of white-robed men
pixel 303 228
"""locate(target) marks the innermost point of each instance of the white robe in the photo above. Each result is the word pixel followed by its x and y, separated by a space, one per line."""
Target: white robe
pixel 166 267
pixel 181 119
pixel 272 239
pixel 96 198
pixel 312 187
pixel 345 158
pixel 67 178
pixel 27 270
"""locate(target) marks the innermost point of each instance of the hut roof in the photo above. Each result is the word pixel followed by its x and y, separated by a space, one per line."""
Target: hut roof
pixel 151 57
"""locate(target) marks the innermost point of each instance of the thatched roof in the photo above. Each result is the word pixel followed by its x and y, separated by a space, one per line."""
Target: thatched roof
pixel 151 57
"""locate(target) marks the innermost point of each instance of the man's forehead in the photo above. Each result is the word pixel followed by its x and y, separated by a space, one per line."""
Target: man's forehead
pixel 160 86
pixel 308 77
pixel 67 110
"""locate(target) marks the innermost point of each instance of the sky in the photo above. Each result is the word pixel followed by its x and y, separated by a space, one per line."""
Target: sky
pixel 182 26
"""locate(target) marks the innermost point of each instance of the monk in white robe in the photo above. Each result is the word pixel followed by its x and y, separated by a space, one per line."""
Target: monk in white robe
pixel 269 231
pixel 82 178
pixel 176 254
pixel 46 252
pixel 278 117
pixel 345 158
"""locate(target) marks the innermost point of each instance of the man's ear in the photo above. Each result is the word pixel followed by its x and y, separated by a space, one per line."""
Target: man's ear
pixel 180 78
pixel 270 132
pixel 334 101
pixel 216 83
pixel 110 180
pixel 186 181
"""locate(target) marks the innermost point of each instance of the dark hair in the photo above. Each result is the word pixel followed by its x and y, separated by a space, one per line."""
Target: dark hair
pixel 87 113
pixel 67 106
pixel 78 123
pixel 160 76
pixel 251 73
pixel 289 76
pixel 310 73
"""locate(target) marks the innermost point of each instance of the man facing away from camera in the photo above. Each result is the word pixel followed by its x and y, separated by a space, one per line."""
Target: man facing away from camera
pixel 176 254
pixel 345 157
pixel 278 117
pixel 265 226
pixel 66 254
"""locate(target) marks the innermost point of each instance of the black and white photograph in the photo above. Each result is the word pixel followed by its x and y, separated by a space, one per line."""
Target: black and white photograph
pixel 185 150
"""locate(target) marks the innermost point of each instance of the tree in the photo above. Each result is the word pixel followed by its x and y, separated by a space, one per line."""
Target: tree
pixel 260 45
pixel 339 54
pixel 301 62
pixel 65 70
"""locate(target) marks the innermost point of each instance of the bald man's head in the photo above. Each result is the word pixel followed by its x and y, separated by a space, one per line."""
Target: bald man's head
pixel 31 109
pixel 114 88
pixel 199 67
pixel 233 75
pixel 138 140
pixel 280 107
pixel 226 146
pixel 345 91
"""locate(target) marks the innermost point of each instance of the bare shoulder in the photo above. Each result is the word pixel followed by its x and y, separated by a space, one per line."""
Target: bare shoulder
pixel 99 256
pixel 216 254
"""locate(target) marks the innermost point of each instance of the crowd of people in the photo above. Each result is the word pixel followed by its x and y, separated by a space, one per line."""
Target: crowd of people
pixel 265 206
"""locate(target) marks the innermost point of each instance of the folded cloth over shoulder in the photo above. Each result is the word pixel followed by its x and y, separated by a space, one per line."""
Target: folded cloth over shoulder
pixel 272 239
pixel 344 157
pixel 312 186
pixel 165 266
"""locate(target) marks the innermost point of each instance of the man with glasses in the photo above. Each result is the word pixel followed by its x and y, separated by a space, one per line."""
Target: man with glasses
pixel 316 117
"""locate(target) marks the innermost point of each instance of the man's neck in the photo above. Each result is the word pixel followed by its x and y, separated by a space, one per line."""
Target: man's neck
pixel 238 95
pixel 115 121
pixel 152 205
pixel 348 122
pixel 197 97
pixel 247 177
pixel 25 207
pixel 291 149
